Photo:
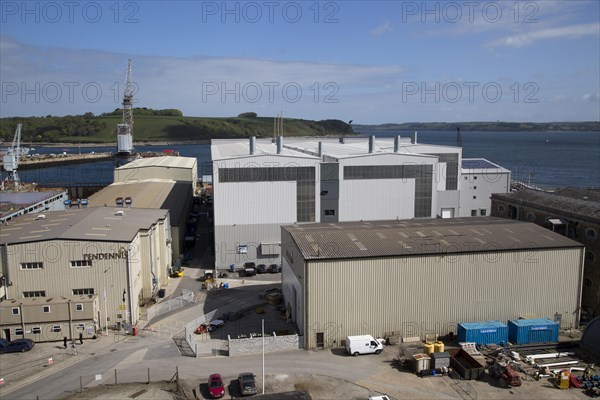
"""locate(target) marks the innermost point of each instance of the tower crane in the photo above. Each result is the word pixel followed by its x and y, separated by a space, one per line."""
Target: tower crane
pixel 11 159
pixel 125 128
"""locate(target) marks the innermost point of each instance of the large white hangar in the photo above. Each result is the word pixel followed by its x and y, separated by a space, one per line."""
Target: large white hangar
pixel 260 185
pixel 419 277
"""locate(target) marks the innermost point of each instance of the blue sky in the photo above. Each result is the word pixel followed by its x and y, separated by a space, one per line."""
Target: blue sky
pixel 372 62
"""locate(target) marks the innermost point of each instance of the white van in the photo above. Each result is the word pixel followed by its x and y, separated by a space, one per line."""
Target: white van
pixel 364 344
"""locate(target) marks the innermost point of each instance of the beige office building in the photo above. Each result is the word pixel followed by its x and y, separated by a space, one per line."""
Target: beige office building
pixel 121 256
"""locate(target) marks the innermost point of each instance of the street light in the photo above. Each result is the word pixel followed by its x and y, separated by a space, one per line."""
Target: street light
pixel 105 302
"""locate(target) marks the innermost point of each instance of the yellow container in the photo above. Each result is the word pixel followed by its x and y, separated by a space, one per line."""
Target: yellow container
pixel 438 347
pixel 563 380
pixel 428 348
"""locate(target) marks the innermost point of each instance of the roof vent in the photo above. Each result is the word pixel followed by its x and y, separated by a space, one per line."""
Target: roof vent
pixel 120 213
pixel 252 144
pixel 371 143
pixel 40 216
pixel 396 143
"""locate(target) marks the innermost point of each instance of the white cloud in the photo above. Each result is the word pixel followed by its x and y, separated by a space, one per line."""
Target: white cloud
pixel 381 29
pixel 594 97
pixel 529 38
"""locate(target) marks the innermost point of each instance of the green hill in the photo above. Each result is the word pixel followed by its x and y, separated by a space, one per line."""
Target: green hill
pixel 88 128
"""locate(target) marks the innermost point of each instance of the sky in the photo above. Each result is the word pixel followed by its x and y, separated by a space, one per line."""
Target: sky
pixel 371 62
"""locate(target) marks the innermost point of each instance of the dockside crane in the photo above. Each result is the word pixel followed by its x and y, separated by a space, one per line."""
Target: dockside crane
pixel 10 160
pixel 125 128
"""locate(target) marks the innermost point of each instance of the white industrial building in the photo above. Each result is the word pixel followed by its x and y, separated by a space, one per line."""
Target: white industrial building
pixel 481 178
pixel 419 277
pixel 121 255
pixel 259 185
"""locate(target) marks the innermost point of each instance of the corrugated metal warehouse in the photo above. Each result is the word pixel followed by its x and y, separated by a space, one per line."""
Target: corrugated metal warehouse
pixel 184 169
pixel 163 194
pixel 419 277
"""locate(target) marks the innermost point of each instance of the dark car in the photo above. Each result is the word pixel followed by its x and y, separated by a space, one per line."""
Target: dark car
pixel 247 384
pixel 273 268
pixel 19 345
pixel 215 386
pixel 261 268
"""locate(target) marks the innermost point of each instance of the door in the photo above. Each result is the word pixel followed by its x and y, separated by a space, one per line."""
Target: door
pixel 7 334
pixel 320 340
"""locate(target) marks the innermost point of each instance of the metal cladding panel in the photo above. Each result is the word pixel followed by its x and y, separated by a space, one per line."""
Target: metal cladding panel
pixel 484 332
pixel 378 295
pixel 538 330
pixel 255 202
pixel 376 199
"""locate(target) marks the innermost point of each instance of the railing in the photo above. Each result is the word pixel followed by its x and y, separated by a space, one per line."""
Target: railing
pixel 187 297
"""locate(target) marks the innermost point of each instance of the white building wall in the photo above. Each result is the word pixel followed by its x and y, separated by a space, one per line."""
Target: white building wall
pixel 251 213
pixel 376 199
pixel 476 188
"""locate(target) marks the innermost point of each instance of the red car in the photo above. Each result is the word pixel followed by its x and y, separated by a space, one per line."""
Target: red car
pixel 215 386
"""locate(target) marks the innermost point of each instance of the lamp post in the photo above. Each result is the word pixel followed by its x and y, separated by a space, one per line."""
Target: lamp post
pixel 105 302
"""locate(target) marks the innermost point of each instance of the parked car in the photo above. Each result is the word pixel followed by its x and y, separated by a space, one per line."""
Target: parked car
pixel 273 268
pixel 216 388
pixel 261 268
pixel 247 384
pixel 18 345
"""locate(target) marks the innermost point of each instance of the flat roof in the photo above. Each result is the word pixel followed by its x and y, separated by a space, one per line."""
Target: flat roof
pixel 420 237
pixel 577 202
pixel 478 165
pixel 149 193
pixel 24 199
pixel 28 301
pixel 308 147
pixel 164 161
pixel 101 224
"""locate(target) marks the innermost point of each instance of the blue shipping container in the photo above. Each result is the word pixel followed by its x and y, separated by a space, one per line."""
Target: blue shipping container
pixel 484 332
pixel 538 330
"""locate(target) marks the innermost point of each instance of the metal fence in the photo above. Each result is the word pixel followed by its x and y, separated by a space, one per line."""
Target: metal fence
pixel 190 331
pixel 187 297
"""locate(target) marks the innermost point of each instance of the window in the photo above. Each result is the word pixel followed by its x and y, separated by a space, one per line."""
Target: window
pixel 82 292
pixel 16 311
pixel 81 263
pixel 501 208
pixel 32 265
pixel 589 256
pixel 56 328
pixel 46 309
pixel 530 216
pixel 80 326
pixel 330 212
pixel 36 330
pixel 474 187
pixel 482 212
pixel 474 178
pixel 18 331
pixel 35 293
pixel 79 307
pixel 474 197
pixel 473 213
pixel 591 233
pixel 242 249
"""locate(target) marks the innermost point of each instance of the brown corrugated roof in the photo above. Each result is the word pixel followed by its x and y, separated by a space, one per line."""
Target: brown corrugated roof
pixel 581 202
pixel 103 224
pixel 421 236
